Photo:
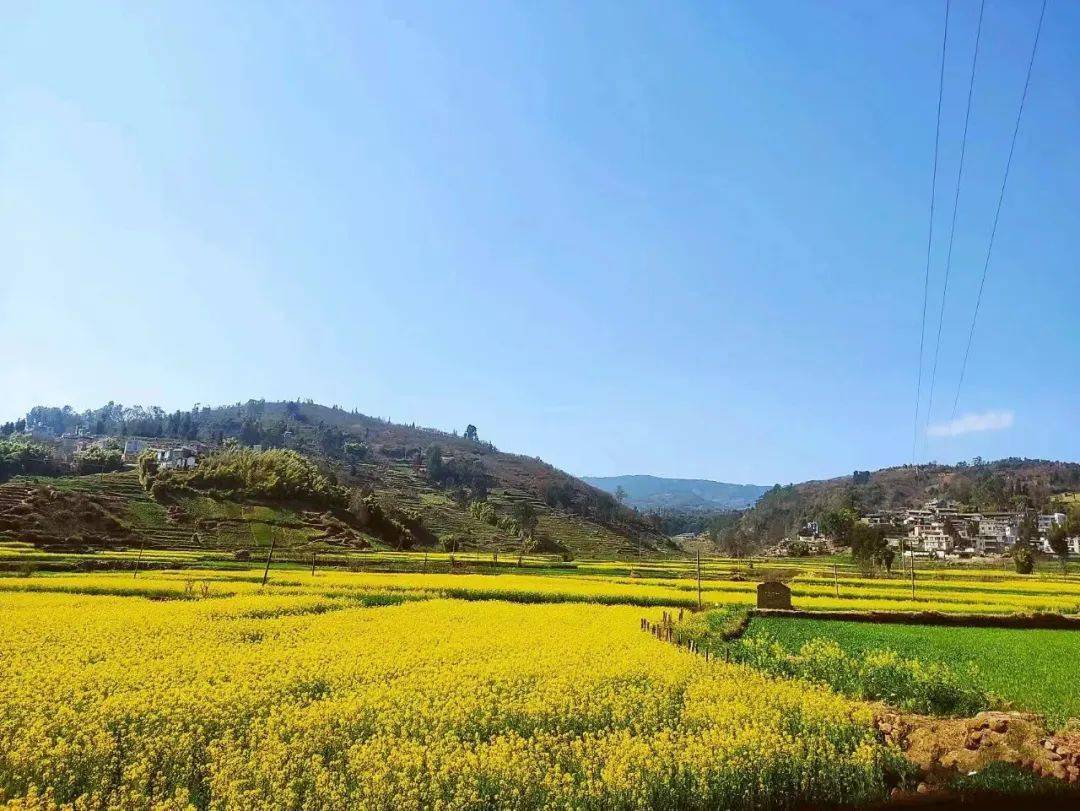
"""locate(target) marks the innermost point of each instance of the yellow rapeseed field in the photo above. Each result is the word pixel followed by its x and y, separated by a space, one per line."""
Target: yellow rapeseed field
pixel 290 699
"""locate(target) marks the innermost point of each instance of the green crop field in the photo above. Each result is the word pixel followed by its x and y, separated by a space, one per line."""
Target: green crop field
pixel 1034 670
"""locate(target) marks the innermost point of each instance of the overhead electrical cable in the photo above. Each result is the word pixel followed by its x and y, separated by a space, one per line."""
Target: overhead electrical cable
pixel 930 236
pixel 997 211
pixel 956 206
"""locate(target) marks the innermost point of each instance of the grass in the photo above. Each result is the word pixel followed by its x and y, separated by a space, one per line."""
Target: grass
pixel 1006 780
pixel 1034 670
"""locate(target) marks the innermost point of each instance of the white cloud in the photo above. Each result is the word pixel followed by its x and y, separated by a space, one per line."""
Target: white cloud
pixel 970 423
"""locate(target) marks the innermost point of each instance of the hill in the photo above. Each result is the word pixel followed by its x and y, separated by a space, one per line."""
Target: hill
pixel 1006 484
pixel 657 493
pixel 396 486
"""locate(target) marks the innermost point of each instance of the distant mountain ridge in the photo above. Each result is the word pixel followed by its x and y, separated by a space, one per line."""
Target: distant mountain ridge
pixel 655 492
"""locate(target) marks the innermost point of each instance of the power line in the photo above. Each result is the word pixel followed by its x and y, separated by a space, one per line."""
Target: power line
pixel 956 206
pixel 997 212
pixel 930 236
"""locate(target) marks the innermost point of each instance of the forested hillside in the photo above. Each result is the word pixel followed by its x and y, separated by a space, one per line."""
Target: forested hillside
pixel 432 487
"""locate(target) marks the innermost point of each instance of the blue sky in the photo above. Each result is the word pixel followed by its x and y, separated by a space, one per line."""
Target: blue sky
pixel 679 239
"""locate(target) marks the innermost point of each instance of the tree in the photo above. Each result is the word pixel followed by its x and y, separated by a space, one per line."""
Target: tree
pixel 433 461
pixel 450 543
pixel 470 433
pixel 360 451
pixel 1028 530
pixel 97 460
pixel 620 494
pixel 1058 538
pixel 868 545
pixel 1023 559
pixel 887 557
pixel 524 515
pixel 840 525
pixel 799 549
pixel 559 494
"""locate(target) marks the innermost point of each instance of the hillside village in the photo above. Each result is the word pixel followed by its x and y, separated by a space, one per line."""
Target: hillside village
pixel 942 529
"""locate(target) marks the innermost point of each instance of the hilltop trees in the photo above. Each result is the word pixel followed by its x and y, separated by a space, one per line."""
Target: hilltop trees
pixel 470 433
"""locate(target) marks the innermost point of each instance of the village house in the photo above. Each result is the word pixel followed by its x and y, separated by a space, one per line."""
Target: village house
pixel 1048 521
pixel 932 538
pixel 879 519
pixel 997 533
pixel 181 458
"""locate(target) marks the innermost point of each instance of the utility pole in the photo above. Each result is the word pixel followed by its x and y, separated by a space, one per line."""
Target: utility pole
pixel 138 561
pixel 699 579
pixel 312 564
pixel 836 583
pixel 269 556
pixel 913 574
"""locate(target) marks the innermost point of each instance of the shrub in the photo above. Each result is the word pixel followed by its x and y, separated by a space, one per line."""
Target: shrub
pixel 402 529
pixel 484 511
pixel 97 459
pixel 24 456
pixel 148 468
pixel 357 450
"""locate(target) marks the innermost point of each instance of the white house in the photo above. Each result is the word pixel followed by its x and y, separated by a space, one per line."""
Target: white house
pixel 177 458
pixel 1049 520
pixel 931 538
